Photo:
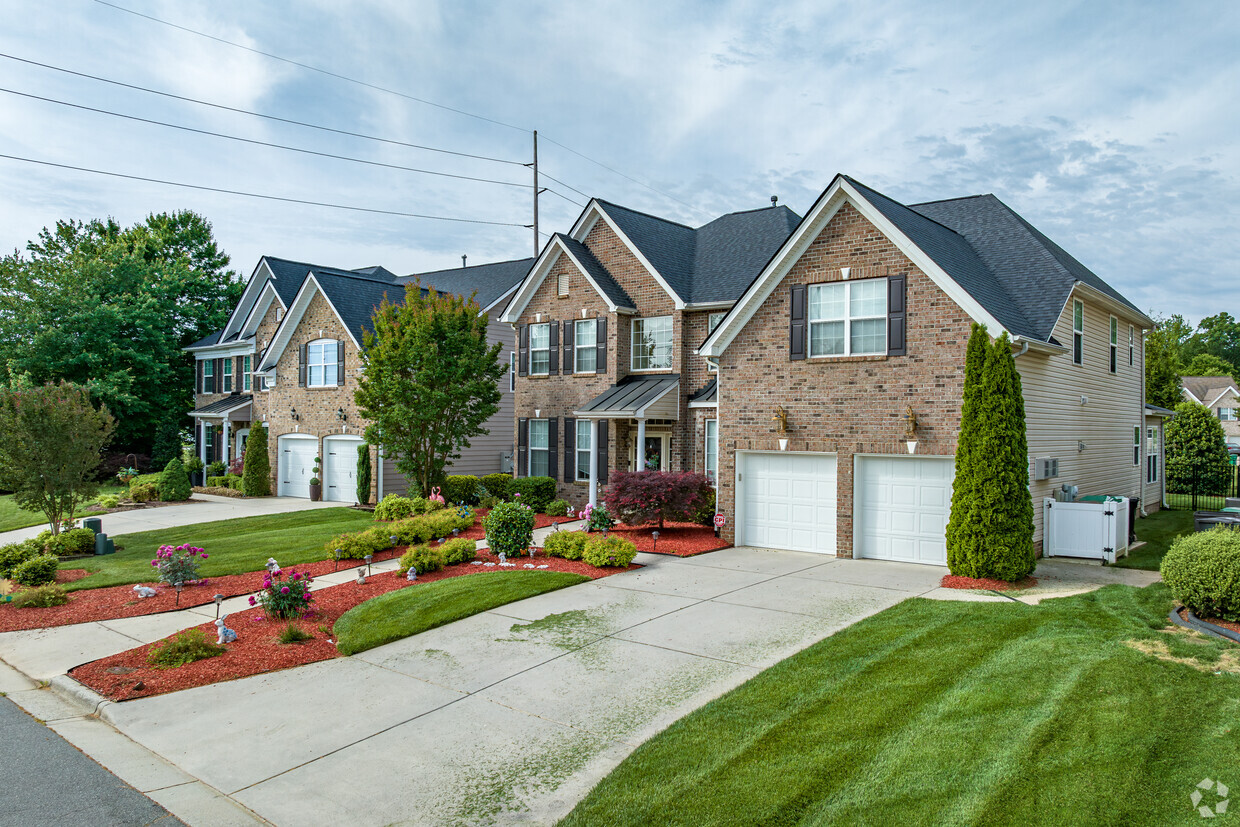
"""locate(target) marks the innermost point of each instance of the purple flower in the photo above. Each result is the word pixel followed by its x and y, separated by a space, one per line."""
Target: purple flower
pixel 155 563
pixel 284 590
pixel 253 602
pixel 204 555
pixel 296 575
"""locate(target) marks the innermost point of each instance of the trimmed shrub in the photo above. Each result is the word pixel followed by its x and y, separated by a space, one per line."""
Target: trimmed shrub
pixel 37 571
pixel 233 481
pixel 570 545
pixel 558 508
pixel 421 559
pixel 256 472
pixel 497 485
pixel 143 492
pixel 109 501
pixel 75 541
pixel 394 507
pixel 182 648
pixel 216 469
pixel 459 550
pixel 1203 572
pixel 174 482
pixel 509 528
pixel 146 479
pixel 220 481
pixel 14 554
pixel 609 551
pixel 644 497
pixel 43 597
pixel 461 488
pixel 217 491
pixel 354 546
pixel 536 492
pixel 421 505
pixel 363 474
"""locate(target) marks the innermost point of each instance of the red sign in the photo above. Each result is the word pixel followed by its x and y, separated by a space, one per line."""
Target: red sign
pixel 720 520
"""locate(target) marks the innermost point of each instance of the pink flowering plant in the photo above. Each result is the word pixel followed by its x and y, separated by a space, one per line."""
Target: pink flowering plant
pixel 285 596
pixel 178 564
pixel 597 518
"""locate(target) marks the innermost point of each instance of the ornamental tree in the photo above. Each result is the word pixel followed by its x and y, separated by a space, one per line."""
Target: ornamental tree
pixel 51 439
pixel 642 497
pixel 1197 457
pixel 990 532
pixel 363 474
pixel 256 471
pixel 430 380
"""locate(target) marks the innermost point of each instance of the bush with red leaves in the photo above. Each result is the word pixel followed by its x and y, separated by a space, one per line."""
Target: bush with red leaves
pixel 644 497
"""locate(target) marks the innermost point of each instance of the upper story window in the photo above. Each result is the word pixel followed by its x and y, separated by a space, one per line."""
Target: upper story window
pixel 1114 344
pixel 712 321
pixel 540 349
pixel 512 372
pixel 848 318
pixel 322 363
pixel 245 373
pixel 208 376
pixel 1078 333
pixel 226 383
pixel 1132 345
pixel 585 346
pixel 1227 414
pixel 652 343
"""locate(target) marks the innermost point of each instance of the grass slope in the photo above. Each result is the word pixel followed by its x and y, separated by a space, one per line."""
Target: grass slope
pixel 406 612
pixel 232 546
pixel 13 517
pixel 1157 530
pixel 951 713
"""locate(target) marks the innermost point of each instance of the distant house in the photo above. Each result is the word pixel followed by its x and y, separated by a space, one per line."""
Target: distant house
pixel 288 360
pixel 1221 396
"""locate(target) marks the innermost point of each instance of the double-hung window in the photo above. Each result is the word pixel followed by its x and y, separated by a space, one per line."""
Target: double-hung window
pixel 208 376
pixel 1132 346
pixel 711 461
pixel 246 381
pixel 1136 445
pixel 512 372
pixel 585 443
pixel 848 318
pixel 585 346
pixel 321 364
pixel 226 385
pixel 652 343
pixel 540 457
pixel 1151 455
pixel 1078 333
pixel 1227 414
pixel 1114 344
pixel 540 349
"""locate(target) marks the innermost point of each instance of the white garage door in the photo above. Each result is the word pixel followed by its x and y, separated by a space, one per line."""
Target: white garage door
pixel 787 501
pixel 296 465
pixel 340 468
pixel 902 505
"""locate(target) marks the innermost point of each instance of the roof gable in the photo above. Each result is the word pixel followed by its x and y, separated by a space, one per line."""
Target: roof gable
pixel 585 262
pixel 1207 389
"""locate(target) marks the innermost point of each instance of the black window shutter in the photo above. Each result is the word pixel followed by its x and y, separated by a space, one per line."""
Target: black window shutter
pixel 523 447
pixel 301 366
pixel 600 333
pixel 238 374
pixel 523 350
pixel 553 351
pixel 796 323
pixel 602 451
pixel 198 377
pixel 897 317
pixel 570 448
pixel 569 359
pixel 340 361
pixel 553 439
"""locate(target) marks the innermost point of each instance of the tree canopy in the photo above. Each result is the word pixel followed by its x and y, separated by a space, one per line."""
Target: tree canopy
pixel 1196 448
pixel 109 309
pixel 1207 364
pixel 430 381
pixel 1162 368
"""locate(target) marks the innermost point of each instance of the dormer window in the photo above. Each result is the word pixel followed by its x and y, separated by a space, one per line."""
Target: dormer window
pixel 540 349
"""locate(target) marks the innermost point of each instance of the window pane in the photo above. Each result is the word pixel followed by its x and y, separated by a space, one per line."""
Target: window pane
pixel 538 463
pixel 712 447
pixel 585 334
pixel 652 343
pixel 329 352
pixel 1078 316
pixel 1114 332
pixel 540 335
pixel 826 339
pixel 587 360
pixel 585 340
pixel 315 375
pixel 868 298
pixel 540 361
pixel 712 321
pixel 869 336
pixel 538 433
pixel 584 434
pixel 314 353
pixel 826 301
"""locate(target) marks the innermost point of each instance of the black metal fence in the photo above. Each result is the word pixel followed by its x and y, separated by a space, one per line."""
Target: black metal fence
pixel 1202 495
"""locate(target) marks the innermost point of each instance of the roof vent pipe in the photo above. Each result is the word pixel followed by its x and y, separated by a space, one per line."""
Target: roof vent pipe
pixel 463 261
pixel 774 200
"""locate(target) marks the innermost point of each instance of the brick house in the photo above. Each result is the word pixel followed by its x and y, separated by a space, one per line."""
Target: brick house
pixel 1221 396
pixel 850 332
pixel 288 360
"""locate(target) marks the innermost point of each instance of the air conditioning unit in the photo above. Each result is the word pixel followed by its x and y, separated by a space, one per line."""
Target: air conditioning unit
pixel 505 462
pixel 1045 468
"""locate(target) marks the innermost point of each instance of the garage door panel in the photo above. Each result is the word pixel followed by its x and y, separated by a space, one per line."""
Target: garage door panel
pixel 788 501
pixel 902 506
pixel 295 465
pixel 340 468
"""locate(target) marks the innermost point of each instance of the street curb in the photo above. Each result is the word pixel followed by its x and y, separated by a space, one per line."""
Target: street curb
pixel 91 702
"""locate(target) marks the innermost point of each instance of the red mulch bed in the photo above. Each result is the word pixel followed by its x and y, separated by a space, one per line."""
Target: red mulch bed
pixel 952 581
pixel 1226 624
pixel 478 533
pixel 257 648
pixel 679 539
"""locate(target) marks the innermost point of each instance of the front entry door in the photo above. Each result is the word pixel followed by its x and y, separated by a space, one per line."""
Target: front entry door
pixel 655 454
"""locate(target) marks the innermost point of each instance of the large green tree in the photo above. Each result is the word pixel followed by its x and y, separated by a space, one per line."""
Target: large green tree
pixel 1207 364
pixel 109 308
pixel 1197 457
pixel 51 439
pixel 430 381
pixel 1162 365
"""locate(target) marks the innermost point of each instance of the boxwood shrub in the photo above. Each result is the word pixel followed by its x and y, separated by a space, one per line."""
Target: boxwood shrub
pixel 421 559
pixel 37 571
pixel 14 554
pixel 459 550
pixel 394 507
pixel 558 508
pixel 570 545
pixel 536 492
pixel 1203 572
pixel 609 551
pixel 143 492
pixel 460 488
pixel 174 482
pixel 509 528
pixel 43 597
pixel 355 546
pixel 497 485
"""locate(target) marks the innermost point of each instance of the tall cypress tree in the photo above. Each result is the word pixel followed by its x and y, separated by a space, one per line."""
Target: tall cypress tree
pixel 960 530
pixel 256 472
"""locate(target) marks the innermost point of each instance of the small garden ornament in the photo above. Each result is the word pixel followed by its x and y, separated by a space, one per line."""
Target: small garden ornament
pixel 436 496
pixel 272 565
pixel 361 577
pixel 225 635
pixel 412 575
pixel 503 558
pixel 144 591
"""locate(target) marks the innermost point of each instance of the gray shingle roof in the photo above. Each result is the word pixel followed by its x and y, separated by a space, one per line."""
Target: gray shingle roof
pixel 1206 388
pixel 596 270
pixel 206 341
pixel 490 281
pixel 355 297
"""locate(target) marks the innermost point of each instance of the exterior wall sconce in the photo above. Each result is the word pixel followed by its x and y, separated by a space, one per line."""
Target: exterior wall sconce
pixel 341 415
pixel 293 414
pixel 910 430
pixel 1080 446
pixel 781 417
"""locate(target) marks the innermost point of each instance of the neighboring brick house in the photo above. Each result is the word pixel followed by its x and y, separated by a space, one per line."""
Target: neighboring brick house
pixel 1221 396
pixel 288 358
pixel 607 324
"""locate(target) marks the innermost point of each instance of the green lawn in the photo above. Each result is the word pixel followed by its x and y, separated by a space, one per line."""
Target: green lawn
pixel 1157 530
pixel 232 546
pixel 953 713
pixel 12 517
pixel 406 612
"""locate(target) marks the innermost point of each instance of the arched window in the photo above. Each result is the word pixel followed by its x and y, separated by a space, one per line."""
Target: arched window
pixel 322 361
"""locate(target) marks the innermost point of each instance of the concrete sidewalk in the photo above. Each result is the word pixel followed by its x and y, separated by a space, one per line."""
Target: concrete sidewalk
pixel 201 508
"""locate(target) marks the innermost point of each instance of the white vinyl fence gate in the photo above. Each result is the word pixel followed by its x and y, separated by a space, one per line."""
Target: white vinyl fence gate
pixel 1097 531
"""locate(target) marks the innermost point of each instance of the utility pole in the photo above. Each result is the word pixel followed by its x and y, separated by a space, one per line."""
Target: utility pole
pixel 536 245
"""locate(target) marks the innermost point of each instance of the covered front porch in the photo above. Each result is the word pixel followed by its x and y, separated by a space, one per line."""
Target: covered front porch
pixel 221 429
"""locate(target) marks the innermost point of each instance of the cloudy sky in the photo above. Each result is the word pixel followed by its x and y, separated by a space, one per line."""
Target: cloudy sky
pixel 1110 126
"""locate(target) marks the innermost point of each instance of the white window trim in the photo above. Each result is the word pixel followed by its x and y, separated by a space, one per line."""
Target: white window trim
pixel 578 349
pixel 1151 458
pixel 712 475
pixel 671 332
pixel 561 283
pixel 1231 414
pixel 546 450
pixel 578 450
pixel 208 372
pixel 847 320
pixel 334 364
pixel 512 372
pixel 1078 334
pixel 247 382
pixel 208 436
pixel 546 350
pixel 1132 346
pixel 1114 336
pixel 226 379
pixel 1136 445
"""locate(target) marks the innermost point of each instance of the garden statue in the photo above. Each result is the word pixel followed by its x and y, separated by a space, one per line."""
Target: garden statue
pixel 435 495
pixel 412 575
pixel 144 591
pixel 272 565
pixel 361 577
pixel 503 558
pixel 226 635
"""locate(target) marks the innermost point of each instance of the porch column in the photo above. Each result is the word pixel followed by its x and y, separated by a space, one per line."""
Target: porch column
pixel 593 463
pixel 640 453
pixel 227 453
pixel 202 446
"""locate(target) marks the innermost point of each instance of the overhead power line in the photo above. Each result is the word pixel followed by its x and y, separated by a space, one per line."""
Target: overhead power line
pixel 275 118
pixel 264 143
pixel 562 184
pixel 266 197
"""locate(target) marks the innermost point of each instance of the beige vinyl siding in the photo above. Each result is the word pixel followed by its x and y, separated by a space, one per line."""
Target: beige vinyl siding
pixel 1153 497
pixel 1056 419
